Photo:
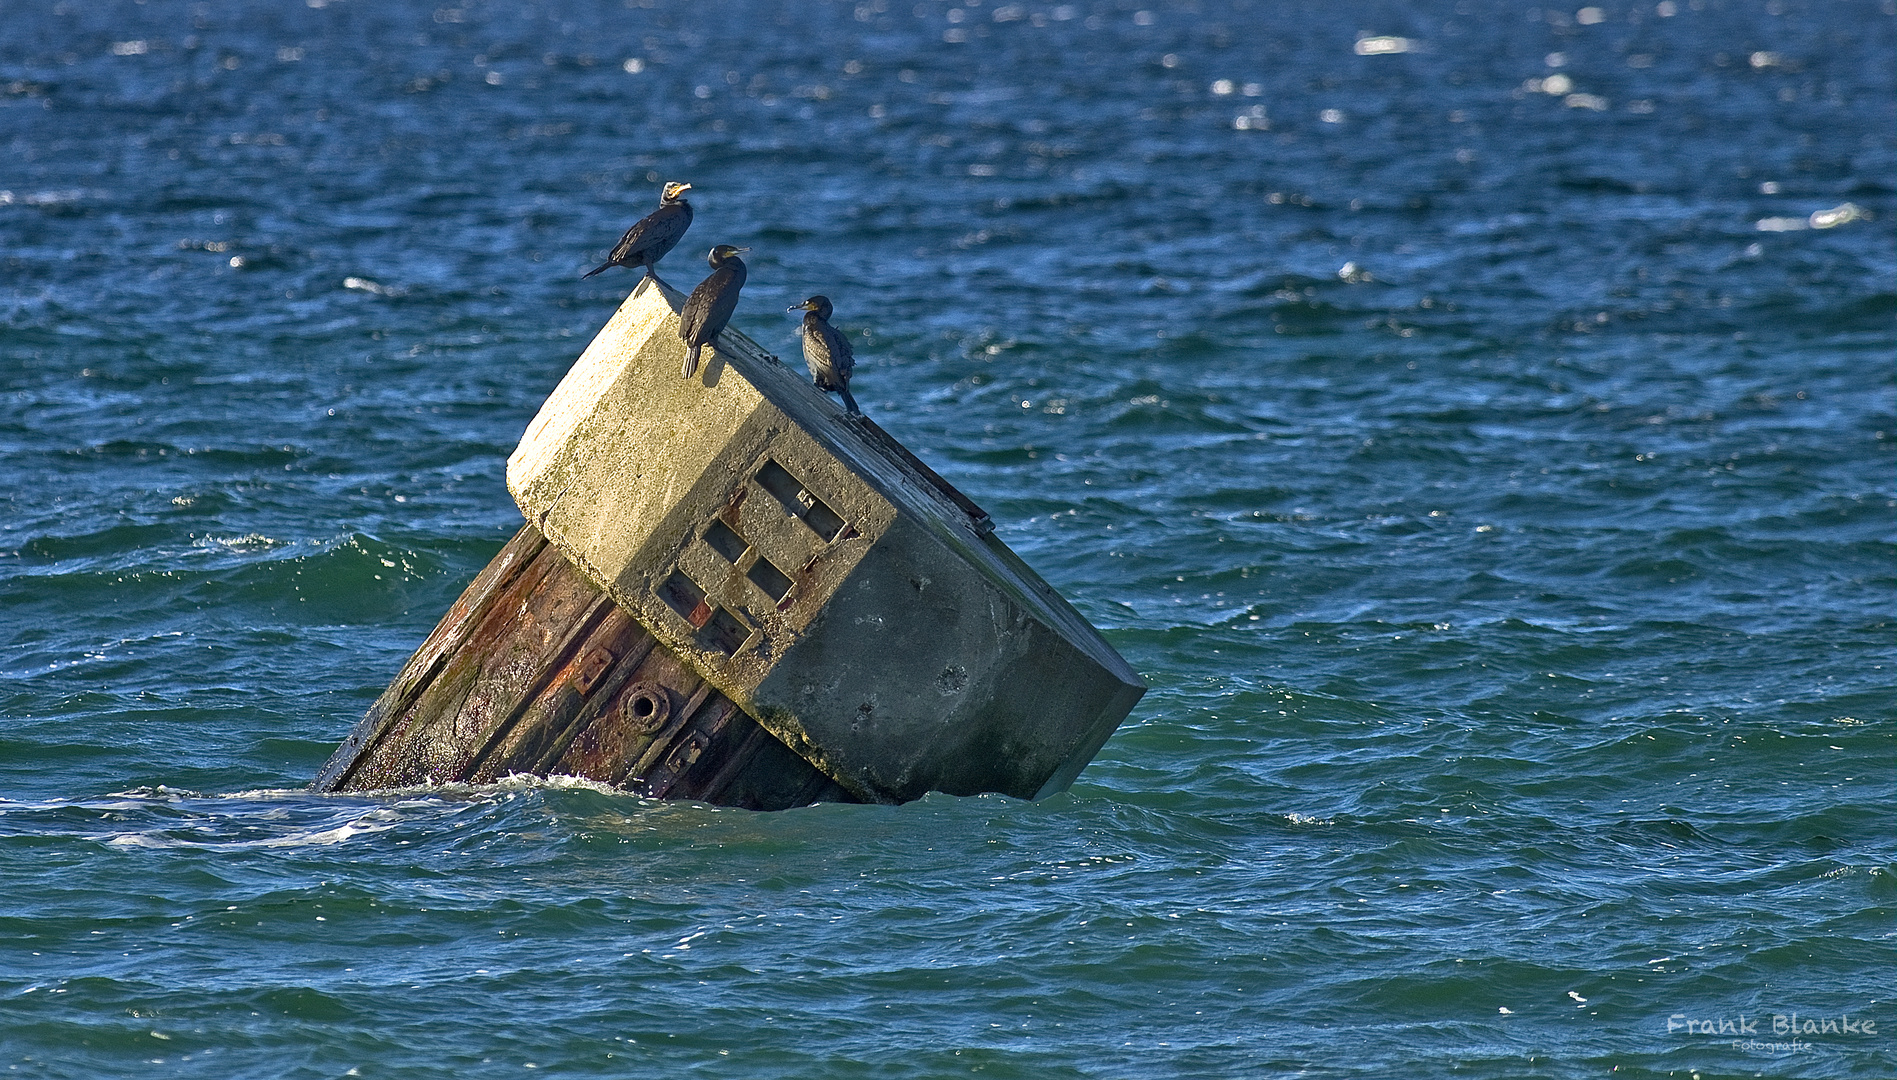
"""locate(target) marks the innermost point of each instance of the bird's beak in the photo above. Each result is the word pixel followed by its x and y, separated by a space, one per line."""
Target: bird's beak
pixel 685 187
pixel 805 306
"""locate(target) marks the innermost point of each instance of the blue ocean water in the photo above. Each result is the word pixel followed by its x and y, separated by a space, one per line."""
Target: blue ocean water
pixel 1476 421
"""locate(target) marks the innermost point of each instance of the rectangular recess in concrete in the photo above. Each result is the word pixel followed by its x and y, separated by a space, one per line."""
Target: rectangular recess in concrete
pixel 775 583
pixel 799 501
pixel 724 632
pixel 725 541
pixel 683 595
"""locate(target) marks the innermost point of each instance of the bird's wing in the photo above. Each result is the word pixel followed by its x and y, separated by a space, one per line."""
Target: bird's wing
pixel 723 302
pixel 709 307
pixel 842 357
pixel 697 306
pixel 662 226
pixel 629 241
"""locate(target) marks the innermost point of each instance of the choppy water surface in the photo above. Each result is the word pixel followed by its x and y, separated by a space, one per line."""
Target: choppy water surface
pixel 1475 421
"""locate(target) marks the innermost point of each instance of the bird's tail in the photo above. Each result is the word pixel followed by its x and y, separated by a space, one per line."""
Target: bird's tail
pixel 691 361
pixel 848 401
pixel 595 270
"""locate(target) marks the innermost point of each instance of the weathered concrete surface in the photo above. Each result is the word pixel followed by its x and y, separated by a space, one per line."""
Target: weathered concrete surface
pixel 837 592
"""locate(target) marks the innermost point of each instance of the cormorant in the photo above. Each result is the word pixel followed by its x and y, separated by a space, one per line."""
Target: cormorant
pixel 827 352
pixel 657 233
pixel 709 307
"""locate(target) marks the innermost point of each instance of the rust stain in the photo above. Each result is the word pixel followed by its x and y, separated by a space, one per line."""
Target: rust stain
pixel 700 615
pixel 592 666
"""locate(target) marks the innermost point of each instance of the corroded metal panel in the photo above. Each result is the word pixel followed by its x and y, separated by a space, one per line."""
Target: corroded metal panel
pixel 535 671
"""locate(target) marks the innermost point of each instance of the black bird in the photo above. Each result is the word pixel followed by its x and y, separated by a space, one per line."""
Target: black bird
pixel 709 307
pixel 657 233
pixel 827 352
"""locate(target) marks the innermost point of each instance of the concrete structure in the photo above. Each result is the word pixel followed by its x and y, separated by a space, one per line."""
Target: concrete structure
pixel 803 565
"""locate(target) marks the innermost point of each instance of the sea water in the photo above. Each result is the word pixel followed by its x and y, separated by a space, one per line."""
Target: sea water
pixel 1475 421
